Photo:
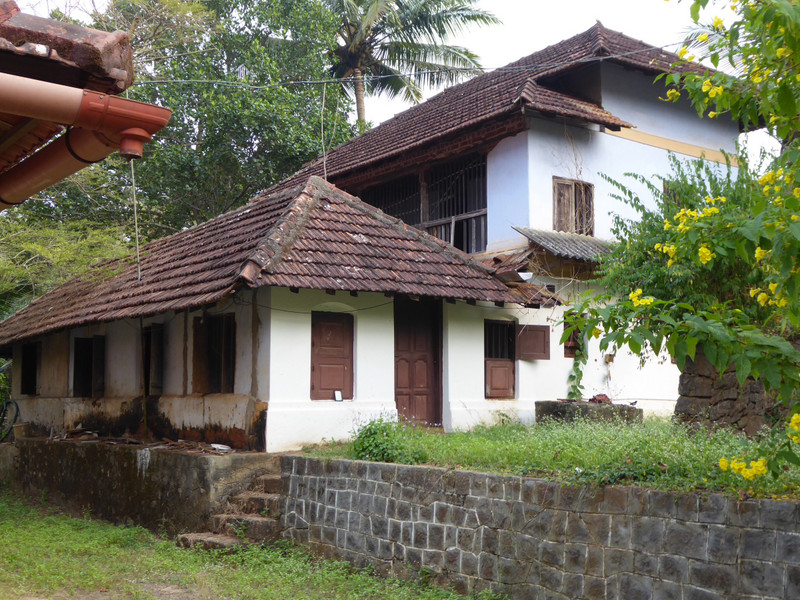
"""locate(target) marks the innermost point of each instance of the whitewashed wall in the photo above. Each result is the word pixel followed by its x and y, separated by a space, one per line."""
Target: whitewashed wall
pixel 520 169
pixel 293 418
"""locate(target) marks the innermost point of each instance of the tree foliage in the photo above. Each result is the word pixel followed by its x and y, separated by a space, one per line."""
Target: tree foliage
pixel 241 120
pixel 716 268
pixel 398 46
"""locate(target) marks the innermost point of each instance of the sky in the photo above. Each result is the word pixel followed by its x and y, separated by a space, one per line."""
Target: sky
pixel 530 25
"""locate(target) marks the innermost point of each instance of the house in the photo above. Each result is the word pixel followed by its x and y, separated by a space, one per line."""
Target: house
pixel 279 324
pixel 291 319
pixel 511 166
pixel 59 104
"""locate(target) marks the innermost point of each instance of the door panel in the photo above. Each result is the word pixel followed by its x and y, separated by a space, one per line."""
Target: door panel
pixel 417 329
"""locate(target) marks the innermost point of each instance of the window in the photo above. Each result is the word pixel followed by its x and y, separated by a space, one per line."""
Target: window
pixel 398 198
pixel 89 367
pixel 573 206
pixel 499 353
pixel 533 342
pixel 331 356
pixel 456 203
pixel 153 359
pixel 29 375
pixel 573 344
pixel 214 354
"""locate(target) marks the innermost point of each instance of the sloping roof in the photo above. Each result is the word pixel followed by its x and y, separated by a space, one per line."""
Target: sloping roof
pixel 567 245
pixel 55 52
pixel 314 237
pixel 499 93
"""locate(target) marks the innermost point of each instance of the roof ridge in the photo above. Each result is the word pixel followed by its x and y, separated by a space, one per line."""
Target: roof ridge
pixel 283 234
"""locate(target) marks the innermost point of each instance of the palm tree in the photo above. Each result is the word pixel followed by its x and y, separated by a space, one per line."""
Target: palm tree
pixel 397 46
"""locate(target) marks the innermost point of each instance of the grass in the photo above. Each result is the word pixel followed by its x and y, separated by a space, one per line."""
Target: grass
pixel 49 555
pixel 657 453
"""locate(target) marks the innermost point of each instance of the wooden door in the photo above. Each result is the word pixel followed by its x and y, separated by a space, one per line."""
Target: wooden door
pixel 417 365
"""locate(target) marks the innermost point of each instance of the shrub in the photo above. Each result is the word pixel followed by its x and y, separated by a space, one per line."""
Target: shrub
pixel 382 440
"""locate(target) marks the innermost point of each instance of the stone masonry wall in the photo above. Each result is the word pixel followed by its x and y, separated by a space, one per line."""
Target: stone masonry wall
pixel 705 397
pixel 534 539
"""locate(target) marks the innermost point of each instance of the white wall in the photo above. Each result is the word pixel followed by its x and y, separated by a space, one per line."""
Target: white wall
pixel 463 386
pixel 293 419
pixel 634 97
pixel 520 176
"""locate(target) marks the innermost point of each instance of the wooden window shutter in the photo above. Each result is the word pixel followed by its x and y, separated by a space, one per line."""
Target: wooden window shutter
pixel 500 378
pixel 584 208
pixel 563 205
pixel 98 366
pixel 154 359
pixel 200 356
pixel 31 359
pixel 82 368
pixel 572 345
pixel 331 355
pixel 533 342
pixel 228 353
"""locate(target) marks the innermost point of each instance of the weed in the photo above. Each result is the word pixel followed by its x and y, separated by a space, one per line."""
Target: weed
pixel 657 453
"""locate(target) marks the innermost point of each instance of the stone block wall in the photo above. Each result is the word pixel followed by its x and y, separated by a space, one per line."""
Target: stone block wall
pixel 534 539
pixel 707 398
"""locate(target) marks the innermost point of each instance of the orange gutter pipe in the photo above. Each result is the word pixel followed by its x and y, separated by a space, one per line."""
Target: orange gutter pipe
pixel 99 124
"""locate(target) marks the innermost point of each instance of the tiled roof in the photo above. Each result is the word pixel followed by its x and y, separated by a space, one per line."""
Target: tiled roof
pixel 314 237
pixel 567 245
pixel 496 94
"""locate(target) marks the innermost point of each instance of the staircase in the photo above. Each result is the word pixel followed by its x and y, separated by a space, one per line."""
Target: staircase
pixel 252 516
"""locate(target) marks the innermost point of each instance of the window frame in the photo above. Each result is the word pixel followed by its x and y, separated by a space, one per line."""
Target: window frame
pixel 88 366
pixel 214 354
pixel 30 371
pixel 568 218
pixel 325 360
pixel 499 356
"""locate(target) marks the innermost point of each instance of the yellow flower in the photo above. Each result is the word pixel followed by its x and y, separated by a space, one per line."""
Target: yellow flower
pixel 781 52
pixel 715 91
pixel 773 287
pixel 712 114
pixel 754 292
pixel 667 225
pixel 717 24
pixel 761 253
pixel 635 294
pixel 682 52
pixel 796 192
pixel 762 298
pixel 596 333
pixel 658 247
pixel 794 423
pixel 707 85
pixel 724 463
pixel 673 95
pixel 703 37
pixel 705 254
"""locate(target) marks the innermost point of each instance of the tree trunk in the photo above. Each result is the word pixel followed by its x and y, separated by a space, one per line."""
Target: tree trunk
pixel 358 84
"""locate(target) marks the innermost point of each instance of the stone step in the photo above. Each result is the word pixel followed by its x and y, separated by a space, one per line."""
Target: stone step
pixel 252 527
pixel 257 503
pixel 209 541
pixel 269 483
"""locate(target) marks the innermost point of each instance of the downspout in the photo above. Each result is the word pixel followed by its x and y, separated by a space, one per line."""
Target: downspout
pixel 98 124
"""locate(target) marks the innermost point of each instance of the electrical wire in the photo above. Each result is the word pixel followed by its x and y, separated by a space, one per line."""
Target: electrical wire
pixel 313 82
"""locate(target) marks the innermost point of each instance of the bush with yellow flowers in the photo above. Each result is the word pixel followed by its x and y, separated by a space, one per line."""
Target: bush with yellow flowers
pixel 716 267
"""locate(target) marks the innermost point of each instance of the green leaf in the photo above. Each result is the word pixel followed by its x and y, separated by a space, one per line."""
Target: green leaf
pixel 786 101
pixel 691 346
pixel 695 11
pixel 742 369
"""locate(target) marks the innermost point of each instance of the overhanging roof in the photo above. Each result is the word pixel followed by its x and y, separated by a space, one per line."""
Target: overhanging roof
pixel 312 237
pixel 571 246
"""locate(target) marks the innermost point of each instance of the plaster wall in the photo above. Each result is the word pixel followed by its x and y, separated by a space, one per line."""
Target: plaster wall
pixel 465 404
pixel 634 97
pixel 507 189
pixel 175 354
pixel 293 418
pixel 123 359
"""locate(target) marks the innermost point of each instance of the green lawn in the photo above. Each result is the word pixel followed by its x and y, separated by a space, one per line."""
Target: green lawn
pixel 46 554
pixel 657 453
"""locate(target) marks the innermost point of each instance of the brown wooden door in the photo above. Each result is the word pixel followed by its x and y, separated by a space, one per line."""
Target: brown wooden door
pixel 417 370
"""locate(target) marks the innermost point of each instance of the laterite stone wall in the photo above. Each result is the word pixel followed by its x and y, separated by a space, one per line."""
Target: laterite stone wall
pixel 534 539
